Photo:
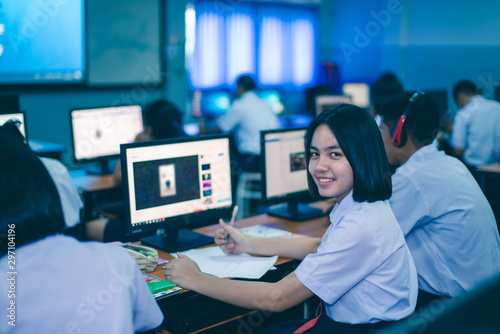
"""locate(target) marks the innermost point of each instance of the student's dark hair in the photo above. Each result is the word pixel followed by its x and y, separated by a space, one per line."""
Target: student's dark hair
pixel 383 89
pixel 422 120
pixel 11 128
pixel 29 201
pixel 164 118
pixel 246 82
pixel 361 142
pixel 464 87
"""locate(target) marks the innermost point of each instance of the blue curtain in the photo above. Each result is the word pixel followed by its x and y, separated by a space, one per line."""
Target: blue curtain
pixel 275 43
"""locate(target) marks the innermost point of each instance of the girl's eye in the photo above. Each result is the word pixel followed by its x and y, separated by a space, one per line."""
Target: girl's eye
pixel 335 154
pixel 314 154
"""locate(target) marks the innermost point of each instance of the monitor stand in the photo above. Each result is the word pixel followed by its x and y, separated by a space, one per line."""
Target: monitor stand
pixel 101 169
pixel 176 240
pixel 295 211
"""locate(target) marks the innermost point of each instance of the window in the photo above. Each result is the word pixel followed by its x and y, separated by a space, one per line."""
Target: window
pixel 275 43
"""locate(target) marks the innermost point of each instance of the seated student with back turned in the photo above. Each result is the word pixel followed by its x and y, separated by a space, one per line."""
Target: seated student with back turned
pixel 162 120
pixel 361 268
pixel 62 285
pixel 69 196
pixel 383 89
pixel 476 128
pixel 246 117
pixel 448 224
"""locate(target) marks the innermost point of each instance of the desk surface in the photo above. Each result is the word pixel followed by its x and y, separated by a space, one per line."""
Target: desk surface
pixel 314 228
pixel 92 183
pixel 490 168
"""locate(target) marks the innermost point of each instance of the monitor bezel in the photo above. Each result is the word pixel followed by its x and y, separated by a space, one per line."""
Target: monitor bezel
pixel 303 196
pixel 101 157
pixel 25 121
pixel 188 221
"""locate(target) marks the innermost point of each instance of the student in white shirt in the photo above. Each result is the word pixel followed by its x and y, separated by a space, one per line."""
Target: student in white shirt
pixel 447 221
pixel 361 268
pixel 476 128
pixel 247 116
pixel 57 283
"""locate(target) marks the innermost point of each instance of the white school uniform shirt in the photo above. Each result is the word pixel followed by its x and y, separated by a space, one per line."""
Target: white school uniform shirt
pixel 476 130
pixel 70 199
pixel 247 116
pixel 448 223
pixel 362 270
pixel 63 285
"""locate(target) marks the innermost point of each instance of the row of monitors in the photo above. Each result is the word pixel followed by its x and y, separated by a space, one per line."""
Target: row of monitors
pixel 98 132
pixel 177 184
pixel 214 103
pixel 217 102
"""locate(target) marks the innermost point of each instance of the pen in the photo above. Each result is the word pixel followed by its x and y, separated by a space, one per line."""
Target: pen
pixel 231 222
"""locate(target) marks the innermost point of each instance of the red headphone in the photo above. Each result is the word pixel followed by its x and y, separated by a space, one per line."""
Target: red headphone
pixel 399 136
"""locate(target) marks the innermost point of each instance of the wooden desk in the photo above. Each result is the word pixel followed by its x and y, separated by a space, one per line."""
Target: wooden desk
pixel 91 186
pixel 314 227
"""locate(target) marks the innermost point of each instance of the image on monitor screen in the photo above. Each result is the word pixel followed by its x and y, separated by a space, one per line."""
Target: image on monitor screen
pixel 98 132
pixel 173 185
pixel 43 42
pixel 359 92
pixel 273 97
pixel 18 117
pixel 324 102
pixel 284 174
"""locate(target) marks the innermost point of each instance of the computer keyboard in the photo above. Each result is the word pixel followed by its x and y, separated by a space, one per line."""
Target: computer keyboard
pixel 186 315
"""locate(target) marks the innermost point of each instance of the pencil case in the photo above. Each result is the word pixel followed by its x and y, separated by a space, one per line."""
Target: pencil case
pixel 146 257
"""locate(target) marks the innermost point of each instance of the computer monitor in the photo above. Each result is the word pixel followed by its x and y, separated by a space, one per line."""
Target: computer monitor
pixel 273 97
pixel 359 92
pixel 324 102
pixel 214 103
pixel 284 174
pixel 440 98
pixel 97 133
pixel 173 185
pixel 18 117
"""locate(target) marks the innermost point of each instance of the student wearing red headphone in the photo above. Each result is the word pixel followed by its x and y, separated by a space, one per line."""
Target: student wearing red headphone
pixel 447 221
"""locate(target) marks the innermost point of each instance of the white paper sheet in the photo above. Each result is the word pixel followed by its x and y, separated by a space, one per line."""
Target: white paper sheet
pixel 264 231
pixel 213 261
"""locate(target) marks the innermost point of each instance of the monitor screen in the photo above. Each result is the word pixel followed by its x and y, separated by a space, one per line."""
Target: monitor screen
pixel 440 98
pixel 214 103
pixel 41 42
pixel 359 92
pixel 324 102
pixel 175 183
pixel 273 97
pixel 97 133
pixel 18 117
pixel 284 173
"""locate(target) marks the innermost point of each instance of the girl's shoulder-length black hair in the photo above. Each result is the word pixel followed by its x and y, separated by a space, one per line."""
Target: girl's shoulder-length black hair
pixel 29 201
pixel 361 141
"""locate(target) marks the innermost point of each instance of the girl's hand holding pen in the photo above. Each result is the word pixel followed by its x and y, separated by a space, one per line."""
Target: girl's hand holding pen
pixel 236 240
